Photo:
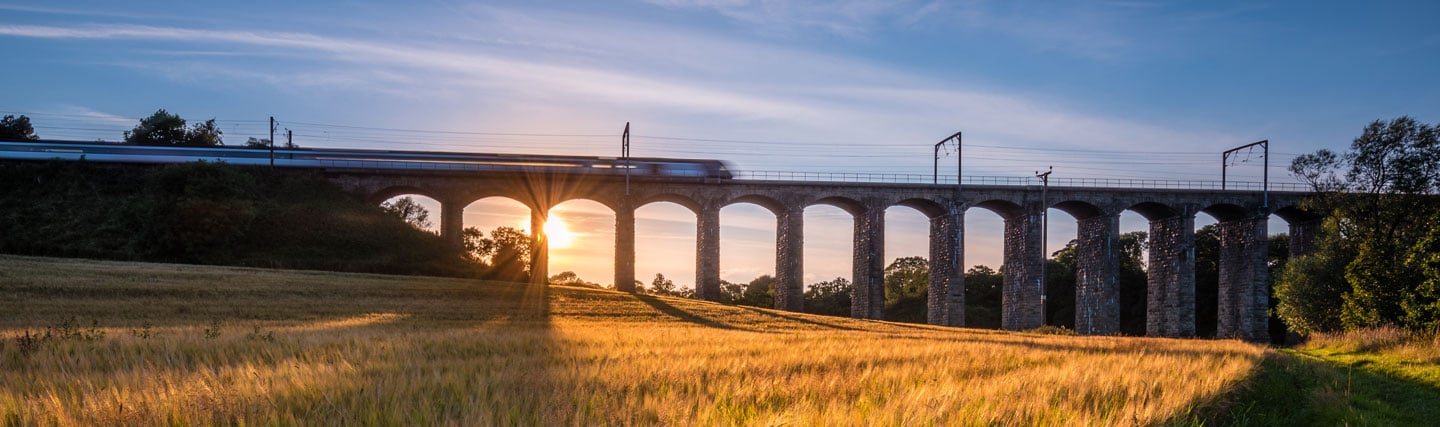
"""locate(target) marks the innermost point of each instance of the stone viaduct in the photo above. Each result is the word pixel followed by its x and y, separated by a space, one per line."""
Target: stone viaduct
pixel 1242 217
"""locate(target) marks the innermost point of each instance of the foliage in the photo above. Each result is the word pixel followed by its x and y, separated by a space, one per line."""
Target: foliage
pixel 907 285
pixel 662 286
pixel 17 129
pixel 208 213
pixel 759 292
pixel 410 211
pixel 1371 195
pixel 164 128
pixel 831 297
pixel 196 208
pixel 983 287
pixel 505 253
pixel 569 278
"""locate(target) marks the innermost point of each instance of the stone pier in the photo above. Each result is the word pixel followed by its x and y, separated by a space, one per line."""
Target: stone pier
pixel 1021 305
pixel 707 253
pixel 789 259
pixel 1097 276
pixel 1244 280
pixel 625 247
pixel 946 296
pixel 1170 282
pixel 868 300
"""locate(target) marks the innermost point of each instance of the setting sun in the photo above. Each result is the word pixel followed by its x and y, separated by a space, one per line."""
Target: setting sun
pixel 558 234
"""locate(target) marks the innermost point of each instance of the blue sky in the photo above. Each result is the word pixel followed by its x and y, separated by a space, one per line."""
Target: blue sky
pixel 1128 89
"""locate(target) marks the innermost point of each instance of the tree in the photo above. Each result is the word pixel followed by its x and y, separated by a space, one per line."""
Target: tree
pixel 662 286
pixel 1310 290
pixel 1370 195
pixel 731 293
pixel 569 278
pixel 410 211
pixel 505 253
pixel 829 297
pixel 907 285
pixel 983 287
pixel 759 292
pixel 164 128
pixel 17 129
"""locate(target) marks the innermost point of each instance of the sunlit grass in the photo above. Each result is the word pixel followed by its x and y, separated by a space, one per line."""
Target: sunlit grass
pixel 200 345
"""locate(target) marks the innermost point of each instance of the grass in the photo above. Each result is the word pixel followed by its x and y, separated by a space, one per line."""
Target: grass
pixel 132 343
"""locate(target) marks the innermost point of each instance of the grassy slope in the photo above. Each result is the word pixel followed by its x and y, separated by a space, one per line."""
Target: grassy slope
pixel 1376 377
pixel 211 344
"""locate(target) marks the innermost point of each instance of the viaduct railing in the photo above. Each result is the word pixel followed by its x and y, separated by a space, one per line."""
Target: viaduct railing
pixel 897 178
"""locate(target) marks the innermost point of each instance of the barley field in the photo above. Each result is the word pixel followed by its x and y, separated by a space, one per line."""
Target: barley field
pixel 94 342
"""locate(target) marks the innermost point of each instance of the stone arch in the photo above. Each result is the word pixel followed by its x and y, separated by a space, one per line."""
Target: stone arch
pixel 1223 212
pixel 1004 208
pixel 927 207
pixel 1153 210
pixel 685 201
pixel 1078 209
pixel 769 203
pixel 851 206
pixel 609 203
pixel 388 193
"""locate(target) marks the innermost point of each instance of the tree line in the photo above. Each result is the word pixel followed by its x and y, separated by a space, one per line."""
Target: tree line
pixel 1376 259
pixel 162 128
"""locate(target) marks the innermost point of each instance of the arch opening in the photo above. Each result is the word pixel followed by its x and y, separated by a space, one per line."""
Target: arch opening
pixel 665 244
pixel 504 223
pixel 581 235
pixel 1062 265
pixel 1134 272
pixel 421 211
pixel 747 253
pixel 829 255
pixel 984 256
pixel 906 264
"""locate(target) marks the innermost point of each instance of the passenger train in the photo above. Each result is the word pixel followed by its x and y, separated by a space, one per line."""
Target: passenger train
pixel 363 159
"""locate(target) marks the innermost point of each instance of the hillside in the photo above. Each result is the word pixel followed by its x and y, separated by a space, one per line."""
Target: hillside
pixel 208 213
pixel 130 342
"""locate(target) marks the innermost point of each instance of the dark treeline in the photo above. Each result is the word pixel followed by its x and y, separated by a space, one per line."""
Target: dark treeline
pixel 208 213
pixel 1376 260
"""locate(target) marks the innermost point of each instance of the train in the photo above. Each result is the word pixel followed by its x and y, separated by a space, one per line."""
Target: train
pixel 364 159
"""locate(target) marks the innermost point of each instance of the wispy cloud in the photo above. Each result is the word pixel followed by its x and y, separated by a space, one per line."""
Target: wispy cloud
pixel 684 81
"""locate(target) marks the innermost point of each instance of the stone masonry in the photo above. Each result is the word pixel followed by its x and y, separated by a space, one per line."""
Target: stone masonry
pixel 869 265
pixel 789 257
pixel 1170 283
pixel 707 253
pixel 946 297
pixel 1244 286
pixel 1097 284
pixel 1021 307
pixel 625 248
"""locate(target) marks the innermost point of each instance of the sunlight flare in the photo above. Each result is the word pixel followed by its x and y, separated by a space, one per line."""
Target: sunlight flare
pixel 558 233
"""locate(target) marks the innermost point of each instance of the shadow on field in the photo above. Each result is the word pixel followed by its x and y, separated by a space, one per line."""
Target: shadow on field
pixel 687 316
pixel 800 319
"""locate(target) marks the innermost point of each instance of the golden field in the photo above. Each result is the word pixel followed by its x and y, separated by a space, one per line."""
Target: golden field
pixel 133 343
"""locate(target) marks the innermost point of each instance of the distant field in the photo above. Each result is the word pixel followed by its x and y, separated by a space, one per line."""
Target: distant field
pixel 157 343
